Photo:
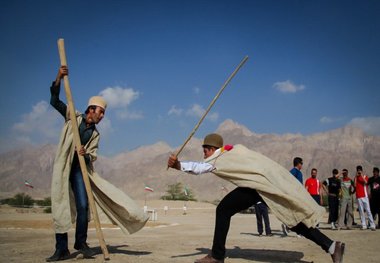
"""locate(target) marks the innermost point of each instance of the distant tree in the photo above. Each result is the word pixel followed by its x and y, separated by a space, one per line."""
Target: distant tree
pixel 46 203
pixel 21 199
pixel 178 192
pixel 5 201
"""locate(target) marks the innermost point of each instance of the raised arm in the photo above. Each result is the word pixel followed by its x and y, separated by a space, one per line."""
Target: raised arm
pixel 55 89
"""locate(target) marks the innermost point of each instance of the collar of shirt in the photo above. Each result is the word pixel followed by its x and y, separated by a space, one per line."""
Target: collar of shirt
pixel 85 131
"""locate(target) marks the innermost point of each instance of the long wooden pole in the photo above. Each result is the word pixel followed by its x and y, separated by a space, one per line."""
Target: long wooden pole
pixel 212 103
pixel 74 124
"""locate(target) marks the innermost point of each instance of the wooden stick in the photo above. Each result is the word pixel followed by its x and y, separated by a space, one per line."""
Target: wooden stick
pixel 212 103
pixel 77 142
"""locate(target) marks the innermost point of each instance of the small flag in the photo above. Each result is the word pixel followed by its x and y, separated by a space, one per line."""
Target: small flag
pixel 149 189
pixel 27 184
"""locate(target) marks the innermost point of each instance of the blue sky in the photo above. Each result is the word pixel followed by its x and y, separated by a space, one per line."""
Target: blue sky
pixel 313 66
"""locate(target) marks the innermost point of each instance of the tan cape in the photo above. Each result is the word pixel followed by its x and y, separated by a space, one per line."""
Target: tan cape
pixel 284 195
pixel 120 209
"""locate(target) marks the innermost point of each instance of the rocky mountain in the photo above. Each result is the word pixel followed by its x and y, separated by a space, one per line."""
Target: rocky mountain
pixel 130 171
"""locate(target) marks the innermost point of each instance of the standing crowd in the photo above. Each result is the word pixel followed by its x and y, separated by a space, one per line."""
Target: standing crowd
pixel 341 191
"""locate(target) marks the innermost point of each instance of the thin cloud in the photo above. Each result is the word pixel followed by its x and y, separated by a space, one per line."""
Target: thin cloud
pixel 126 114
pixel 105 127
pixel 175 111
pixel 40 125
pixel 326 120
pixel 288 87
pixel 118 97
pixel 121 98
pixel 213 116
pixel 197 111
pixel 194 111
pixel 196 90
pixel 370 125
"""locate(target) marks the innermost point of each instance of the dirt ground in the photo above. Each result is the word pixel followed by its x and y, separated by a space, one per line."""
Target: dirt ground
pixel 26 235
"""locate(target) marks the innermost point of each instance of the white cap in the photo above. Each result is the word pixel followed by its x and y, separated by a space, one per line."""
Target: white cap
pixel 97 101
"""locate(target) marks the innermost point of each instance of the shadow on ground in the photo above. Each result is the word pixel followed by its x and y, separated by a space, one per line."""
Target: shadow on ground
pixel 262 255
pixel 116 250
pixel 274 233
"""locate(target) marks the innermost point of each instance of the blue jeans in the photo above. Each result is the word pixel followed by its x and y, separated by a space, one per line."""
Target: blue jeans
pixel 81 202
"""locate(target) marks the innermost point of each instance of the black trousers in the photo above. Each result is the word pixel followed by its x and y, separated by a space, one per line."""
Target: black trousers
pixel 333 208
pixel 240 199
pixel 261 211
pixel 374 204
pixel 317 199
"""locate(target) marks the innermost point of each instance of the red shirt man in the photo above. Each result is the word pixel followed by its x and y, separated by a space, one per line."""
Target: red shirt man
pixel 361 185
pixel 313 186
pixel 361 181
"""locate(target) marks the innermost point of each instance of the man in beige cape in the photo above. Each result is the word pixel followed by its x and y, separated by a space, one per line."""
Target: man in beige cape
pixel 68 193
pixel 258 179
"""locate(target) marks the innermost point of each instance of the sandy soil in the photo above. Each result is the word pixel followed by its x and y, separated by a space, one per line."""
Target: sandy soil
pixel 26 236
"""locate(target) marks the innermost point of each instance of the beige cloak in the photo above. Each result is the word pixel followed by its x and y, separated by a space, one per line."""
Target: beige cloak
pixel 284 195
pixel 120 209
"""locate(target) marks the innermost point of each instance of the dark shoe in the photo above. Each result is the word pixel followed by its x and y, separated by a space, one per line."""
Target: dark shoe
pixel 209 259
pixel 337 257
pixel 59 255
pixel 85 250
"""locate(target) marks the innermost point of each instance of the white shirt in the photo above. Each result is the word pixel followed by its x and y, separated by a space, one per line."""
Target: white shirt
pixel 196 167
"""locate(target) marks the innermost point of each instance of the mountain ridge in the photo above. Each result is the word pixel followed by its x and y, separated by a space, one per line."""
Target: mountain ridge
pixel 340 148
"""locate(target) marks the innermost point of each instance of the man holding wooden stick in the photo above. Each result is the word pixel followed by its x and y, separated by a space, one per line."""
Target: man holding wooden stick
pixel 67 165
pixel 257 179
pixel 76 187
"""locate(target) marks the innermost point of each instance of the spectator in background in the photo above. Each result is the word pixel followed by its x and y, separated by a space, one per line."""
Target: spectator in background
pixel 296 170
pixel 374 200
pixel 313 186
pixel 261 210
pixel 346 209
pixel 361 181
pixel 333 188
